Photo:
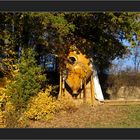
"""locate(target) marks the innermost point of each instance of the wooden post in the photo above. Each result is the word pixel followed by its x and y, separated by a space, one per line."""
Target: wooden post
pixel 80 96
pixel 60 86
pixel 92 89
pixel 63 87
pixel 84 92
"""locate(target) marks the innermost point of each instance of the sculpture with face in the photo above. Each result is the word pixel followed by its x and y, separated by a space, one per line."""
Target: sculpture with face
pixel 79 70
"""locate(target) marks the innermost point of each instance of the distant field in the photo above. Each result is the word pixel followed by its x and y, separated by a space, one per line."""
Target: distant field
pixel 102 116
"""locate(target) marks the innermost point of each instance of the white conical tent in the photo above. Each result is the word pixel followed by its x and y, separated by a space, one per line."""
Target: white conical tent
pixel 97 87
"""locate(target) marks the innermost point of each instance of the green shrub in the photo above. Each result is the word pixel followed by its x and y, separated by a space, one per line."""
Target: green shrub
pixel 27 80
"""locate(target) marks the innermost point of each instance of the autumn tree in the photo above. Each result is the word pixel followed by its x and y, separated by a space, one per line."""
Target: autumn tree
pixel 98 35
pixel 135 53
pixel 21 30
pixel 103 33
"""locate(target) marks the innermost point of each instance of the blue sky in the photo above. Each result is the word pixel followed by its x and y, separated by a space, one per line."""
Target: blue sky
pixel 127 62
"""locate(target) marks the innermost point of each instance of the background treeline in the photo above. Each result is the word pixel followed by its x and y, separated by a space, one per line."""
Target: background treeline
pixel 124 85
pixel 97 34
pixel 26 36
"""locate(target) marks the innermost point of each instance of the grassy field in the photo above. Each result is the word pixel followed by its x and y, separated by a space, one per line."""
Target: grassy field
pixel 101 116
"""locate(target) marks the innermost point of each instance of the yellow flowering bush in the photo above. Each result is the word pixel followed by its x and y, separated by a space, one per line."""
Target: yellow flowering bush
pixel 3 99
pixel 5 103
pixel 8 113
pixel 2 120
pixel 41 107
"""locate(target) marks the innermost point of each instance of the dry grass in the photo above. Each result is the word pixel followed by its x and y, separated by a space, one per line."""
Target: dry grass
pixel 73 115
pixel 101 116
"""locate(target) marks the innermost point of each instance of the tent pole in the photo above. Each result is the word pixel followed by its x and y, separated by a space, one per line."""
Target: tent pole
pixel 92 89
pixel 84 92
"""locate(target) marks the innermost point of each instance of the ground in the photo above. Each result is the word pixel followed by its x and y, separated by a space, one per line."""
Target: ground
pixel 100 116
